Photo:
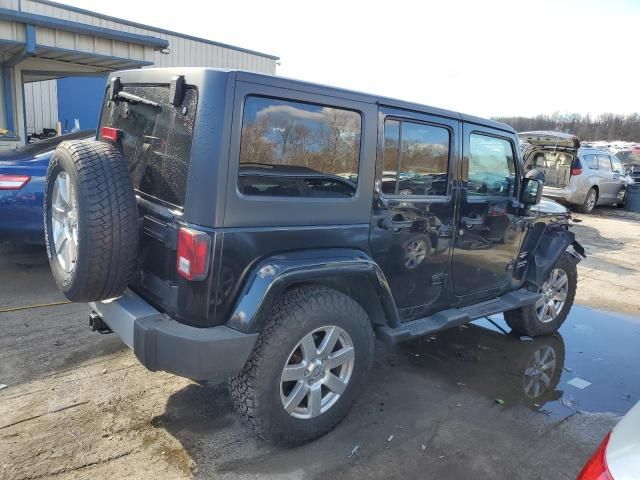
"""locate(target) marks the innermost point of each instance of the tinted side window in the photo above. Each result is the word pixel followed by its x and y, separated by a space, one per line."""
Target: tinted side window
pixel 491 169
pixel 591 161
pixel 604 163
pixel 617 165
pixel 294 149
pixel 416 159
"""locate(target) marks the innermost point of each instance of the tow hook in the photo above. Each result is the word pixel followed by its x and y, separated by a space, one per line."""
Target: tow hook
pixel 97 325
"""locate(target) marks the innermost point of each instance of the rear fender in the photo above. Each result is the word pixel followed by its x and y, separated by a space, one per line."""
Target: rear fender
pixel 272 276
pixel 553 243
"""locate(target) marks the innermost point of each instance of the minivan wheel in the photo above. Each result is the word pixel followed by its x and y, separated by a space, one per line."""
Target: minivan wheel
pixel 307 367
pixel 549 313
pixel 589 201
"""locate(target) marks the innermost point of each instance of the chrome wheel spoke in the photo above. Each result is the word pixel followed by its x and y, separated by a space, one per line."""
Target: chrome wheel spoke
pixel 549 365
pixel 58 212
pixel 308 347
pixel 329 342
pixel 342 356
pixel 545 310
pixel 58 239
pixel 314 401
pixel 296 396
pixel 293 372
pixel 69 252
pixel 334 384
pixel 63 188
pixel 545 379
pixel 560 281
pixel 560 296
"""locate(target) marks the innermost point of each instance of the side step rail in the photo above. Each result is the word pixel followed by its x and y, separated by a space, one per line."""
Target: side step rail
pixel 456 316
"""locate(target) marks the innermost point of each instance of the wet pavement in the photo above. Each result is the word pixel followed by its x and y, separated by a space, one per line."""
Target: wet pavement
pixel 594 347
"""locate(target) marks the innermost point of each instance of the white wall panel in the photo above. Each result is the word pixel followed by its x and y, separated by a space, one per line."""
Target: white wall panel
pixel 41 105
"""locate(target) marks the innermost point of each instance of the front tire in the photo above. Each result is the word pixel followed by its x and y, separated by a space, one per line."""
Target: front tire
pixel 549 313
pixel 307 367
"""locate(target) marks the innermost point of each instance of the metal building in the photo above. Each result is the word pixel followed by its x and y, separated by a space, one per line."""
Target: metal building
pixel 42 41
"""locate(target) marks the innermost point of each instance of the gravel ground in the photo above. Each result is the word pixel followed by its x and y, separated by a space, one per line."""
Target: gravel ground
pixel 79 405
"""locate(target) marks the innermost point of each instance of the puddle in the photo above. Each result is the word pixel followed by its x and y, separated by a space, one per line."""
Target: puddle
pixel 590 365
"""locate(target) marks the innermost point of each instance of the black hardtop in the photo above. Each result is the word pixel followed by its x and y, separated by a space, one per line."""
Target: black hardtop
pixel 198 76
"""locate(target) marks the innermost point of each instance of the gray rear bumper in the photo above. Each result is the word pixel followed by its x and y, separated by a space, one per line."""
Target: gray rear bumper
pixel 162 344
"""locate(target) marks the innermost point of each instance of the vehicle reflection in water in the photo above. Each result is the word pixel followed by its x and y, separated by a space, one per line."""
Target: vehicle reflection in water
pixel 497 365
pixel 598 347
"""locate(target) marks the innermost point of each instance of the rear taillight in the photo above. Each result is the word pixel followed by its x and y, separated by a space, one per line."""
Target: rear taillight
pixel 13 182
pixel 596 468
pixel 110 133
pixel 577 168
pixel 193 254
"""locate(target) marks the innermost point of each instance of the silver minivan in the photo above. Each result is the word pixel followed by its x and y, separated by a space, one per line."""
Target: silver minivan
pixel 584 177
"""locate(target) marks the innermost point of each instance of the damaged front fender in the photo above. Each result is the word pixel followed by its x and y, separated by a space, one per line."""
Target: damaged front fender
pixel 553 241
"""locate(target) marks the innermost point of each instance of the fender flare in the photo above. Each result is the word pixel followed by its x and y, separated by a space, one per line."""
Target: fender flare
pixel 272 276
pixel 552 244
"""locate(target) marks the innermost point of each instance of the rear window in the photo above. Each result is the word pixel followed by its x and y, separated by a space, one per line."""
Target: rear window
pixel 156 140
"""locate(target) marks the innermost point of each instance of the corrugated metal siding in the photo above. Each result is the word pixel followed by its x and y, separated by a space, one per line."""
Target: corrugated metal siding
pixel 12 31
pixel 185 52
pixel 11 4
pixel 41 105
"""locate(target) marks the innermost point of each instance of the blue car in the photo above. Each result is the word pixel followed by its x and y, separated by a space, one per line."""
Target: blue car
pixel 22 173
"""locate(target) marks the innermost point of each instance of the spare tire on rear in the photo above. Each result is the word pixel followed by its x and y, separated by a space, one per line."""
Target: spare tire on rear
pixel 90 219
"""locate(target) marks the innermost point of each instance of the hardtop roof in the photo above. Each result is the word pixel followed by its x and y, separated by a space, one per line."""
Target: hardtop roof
pixel 135 76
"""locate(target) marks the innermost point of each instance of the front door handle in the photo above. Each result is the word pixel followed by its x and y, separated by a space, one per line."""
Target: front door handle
pixel 388 224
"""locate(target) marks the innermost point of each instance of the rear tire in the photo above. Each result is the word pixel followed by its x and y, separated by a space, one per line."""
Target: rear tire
pixel 101 213
pixel 590 201
pixel 267 402
pixel 531 320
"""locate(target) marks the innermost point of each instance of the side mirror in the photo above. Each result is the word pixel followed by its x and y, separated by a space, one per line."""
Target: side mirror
pixel 531 191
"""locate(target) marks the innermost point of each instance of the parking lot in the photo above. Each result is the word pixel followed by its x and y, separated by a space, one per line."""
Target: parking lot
pixel 465 403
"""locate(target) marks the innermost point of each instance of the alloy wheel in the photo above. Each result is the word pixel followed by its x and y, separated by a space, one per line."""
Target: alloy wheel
pixel 64 222
pixel 554 293
pixel 317 372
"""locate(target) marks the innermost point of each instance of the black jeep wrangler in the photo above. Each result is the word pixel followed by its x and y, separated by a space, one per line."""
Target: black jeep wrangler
pixel 234 226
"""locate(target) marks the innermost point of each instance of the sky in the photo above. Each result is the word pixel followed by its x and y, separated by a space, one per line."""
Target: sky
pixel 484 57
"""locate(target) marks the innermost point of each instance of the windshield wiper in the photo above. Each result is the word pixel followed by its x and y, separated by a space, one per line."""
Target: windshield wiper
pixel 131 98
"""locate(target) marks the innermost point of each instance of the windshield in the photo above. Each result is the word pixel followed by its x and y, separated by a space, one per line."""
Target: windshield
pixel 155 138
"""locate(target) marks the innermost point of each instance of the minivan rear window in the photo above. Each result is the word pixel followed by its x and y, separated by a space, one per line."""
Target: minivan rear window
pixel 156 140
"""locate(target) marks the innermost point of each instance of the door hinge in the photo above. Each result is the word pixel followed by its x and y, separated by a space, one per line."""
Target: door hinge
pixel 439 279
